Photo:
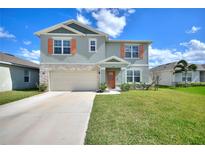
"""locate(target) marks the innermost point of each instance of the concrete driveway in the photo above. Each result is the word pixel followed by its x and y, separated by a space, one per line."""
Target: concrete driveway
pixel 50 118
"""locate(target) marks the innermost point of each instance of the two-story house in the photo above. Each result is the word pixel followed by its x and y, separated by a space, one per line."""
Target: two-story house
pixel 75 56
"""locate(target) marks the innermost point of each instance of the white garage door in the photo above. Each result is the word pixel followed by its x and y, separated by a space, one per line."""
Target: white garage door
pixel 73 80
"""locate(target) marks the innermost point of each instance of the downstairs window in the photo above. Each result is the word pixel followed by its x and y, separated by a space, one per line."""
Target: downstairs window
pixel 26 76
pixel 133 76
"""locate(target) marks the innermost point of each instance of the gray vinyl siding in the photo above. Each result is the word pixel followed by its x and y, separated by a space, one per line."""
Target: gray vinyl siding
pixel 166 77
pixel 82 55
pixel 195 76
pixel 113 48
pixel 12 78
pixel 104 50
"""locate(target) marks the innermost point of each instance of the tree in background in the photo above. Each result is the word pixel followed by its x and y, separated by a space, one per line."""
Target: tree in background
pixel 183 67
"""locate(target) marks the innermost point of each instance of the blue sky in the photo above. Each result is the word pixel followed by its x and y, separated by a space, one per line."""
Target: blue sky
pixel 176 33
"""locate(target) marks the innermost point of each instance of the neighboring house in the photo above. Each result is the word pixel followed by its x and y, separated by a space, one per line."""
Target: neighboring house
pixel 16 73
pixel 166 76
pixel 75 56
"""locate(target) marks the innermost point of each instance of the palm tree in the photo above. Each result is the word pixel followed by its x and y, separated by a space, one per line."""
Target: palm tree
pixel 183 66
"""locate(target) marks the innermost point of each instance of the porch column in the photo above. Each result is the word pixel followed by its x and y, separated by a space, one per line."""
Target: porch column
pixel 102 75
pixel 123 74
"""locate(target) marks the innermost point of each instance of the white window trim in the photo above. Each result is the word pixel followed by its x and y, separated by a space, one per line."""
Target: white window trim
pixel 61 39
pixel 89 44
pixel 133 69
pixel 132 51
pixel 29 75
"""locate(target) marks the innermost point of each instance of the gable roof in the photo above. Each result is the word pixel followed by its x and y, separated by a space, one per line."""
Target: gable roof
pixel 130 41
pixel 113 59
pixel 200 67
pixel 61 30
pixel 9 59
pixel 170 66
pixel 52 28
pixel 81 29
pixel 85 26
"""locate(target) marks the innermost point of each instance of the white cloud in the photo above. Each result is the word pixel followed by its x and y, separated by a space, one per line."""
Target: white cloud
pixel 32 55
pixel 162 56
pixel 130 11
pixel 194 45
pixel 194 29
pixel 109 22
pixel 82 19
pixel 194 53
pixel 27 42
pixel 90 9
pixel 6 34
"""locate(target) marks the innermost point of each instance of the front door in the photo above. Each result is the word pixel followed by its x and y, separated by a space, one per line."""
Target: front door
pixel 111 79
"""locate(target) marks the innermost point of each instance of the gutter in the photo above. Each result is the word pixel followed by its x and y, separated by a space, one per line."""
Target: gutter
pixel 13 64
pixel 4 62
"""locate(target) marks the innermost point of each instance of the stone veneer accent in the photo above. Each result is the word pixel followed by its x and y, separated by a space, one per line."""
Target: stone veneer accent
pixel 46 68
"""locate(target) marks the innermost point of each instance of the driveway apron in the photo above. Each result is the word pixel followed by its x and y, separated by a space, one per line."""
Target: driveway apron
pixel 58 119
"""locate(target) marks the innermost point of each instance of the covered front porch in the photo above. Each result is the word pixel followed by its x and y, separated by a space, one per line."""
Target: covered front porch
pixel 112 72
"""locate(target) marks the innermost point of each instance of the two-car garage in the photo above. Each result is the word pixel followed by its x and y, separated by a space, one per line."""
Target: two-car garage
pixel 64 80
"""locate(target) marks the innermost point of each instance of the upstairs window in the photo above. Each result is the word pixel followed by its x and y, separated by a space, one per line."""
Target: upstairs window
pixel 26 76
pixel 66 47
pixel 133 76
pixel 131 51
pixel 57 46
pixel 187 78
pixel 128 53
pixel 62 47
pixel 92 45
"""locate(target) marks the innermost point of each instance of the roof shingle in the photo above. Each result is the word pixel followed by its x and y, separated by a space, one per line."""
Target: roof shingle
pixel 8 58
pixel 170 66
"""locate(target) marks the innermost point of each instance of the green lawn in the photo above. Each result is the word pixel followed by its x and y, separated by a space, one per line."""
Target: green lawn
pixel 194 90
pixel 10 96
pixel 148 117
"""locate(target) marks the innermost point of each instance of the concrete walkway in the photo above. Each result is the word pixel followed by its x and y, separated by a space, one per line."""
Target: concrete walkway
pixel 50 118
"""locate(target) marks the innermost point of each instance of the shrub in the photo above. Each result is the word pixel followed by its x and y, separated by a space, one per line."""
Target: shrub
pixel 132 86
pixel 135 85
pixel 125 87
pixel 42 87
pixel 102 87
pixel 181 84
pixel 190 84
pixel 197 84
